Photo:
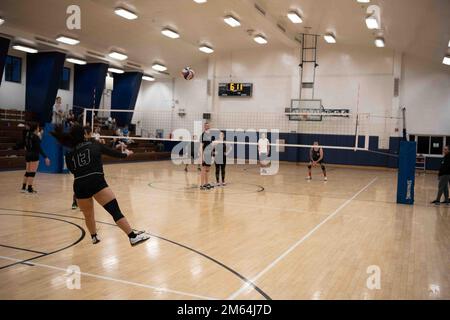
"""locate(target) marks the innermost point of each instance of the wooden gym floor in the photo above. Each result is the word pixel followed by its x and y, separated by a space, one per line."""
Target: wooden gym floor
pixel 261 237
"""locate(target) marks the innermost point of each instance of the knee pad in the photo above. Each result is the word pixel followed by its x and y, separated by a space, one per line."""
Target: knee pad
pixel 323 167
pixel 113 209
pixel 30 174
pixel 310 167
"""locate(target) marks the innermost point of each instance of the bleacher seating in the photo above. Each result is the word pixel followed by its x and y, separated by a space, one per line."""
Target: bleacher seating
pixel 12 156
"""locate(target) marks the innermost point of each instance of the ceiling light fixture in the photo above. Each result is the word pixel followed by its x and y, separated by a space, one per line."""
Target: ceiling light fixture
pixel 115 70
pixel 118 56
pixel 372 22
pixel 446 60
pixel 329 38
pixel 68 40
pixel 206 49
pixel 24 48
pixel 232 21
pixel 148 78
pixel 294 17
pixel 76 61
pixel 379 42
pixel 159 67
pixel 200 1
pixel 2 21
pixel 260 39
pixel 125 13
pixel 170 33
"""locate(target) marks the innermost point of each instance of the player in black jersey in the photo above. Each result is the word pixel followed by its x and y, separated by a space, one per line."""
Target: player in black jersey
pixel 220 153
pixel 316 155
pixel 85 162
pixel 32 144
pixel 206 156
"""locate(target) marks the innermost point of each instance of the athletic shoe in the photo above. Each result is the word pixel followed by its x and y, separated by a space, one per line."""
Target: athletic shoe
pixel 32 191
pixel 325 179
pixel 74 206
pixel 209 186
pixel 224 184
pixel 24 191
pixel 308 178
pixel 140 238
pixel 436 203
pixel 202 188
pixel 95 240
pixel 447 203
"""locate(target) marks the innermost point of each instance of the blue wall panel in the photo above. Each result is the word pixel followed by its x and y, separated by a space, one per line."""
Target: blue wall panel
pixel 124 96
pixel 4 46
pixel 44 72
pixel 87 79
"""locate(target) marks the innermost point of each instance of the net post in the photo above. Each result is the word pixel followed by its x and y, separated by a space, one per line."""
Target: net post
pixel 406 172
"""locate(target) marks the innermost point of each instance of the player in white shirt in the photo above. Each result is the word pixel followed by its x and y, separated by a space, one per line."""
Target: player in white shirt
pixel 263 151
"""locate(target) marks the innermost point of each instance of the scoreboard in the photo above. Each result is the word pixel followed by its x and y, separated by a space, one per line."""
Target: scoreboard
pixel 233 89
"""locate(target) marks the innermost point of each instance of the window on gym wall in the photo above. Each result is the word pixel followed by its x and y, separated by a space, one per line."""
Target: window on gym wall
pixel 437 145
pixel 65 79
pixel 13 69
pixel 423 145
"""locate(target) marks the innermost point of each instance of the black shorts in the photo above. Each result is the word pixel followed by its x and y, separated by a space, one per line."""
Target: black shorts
pixel 85 188
pixel 204 164
pixel 31 157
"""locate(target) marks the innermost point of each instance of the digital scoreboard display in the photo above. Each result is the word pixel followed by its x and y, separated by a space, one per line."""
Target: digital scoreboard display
pixel 234 89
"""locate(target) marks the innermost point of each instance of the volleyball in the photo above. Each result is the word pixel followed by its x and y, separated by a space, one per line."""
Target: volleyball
pixel 188 73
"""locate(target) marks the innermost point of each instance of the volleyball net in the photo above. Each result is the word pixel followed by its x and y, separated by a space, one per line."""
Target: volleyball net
pixel 350 131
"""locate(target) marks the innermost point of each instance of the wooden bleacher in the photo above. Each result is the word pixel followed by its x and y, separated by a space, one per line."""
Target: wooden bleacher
pixel 12 157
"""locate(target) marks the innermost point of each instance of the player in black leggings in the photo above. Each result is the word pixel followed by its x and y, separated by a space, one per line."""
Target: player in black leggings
pixel 316 156
pixel 220 152
pixel 85 162
pixel 32 143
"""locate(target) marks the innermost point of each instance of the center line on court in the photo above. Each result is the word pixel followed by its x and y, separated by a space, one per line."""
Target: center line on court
pixel 299 242
pixel 136 284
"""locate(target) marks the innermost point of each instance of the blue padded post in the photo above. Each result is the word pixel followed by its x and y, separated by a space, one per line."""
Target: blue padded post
pixel 406 172
pixel 53 150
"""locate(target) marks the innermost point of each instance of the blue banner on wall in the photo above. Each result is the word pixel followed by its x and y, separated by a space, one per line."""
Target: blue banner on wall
pixel 124 96
pixel 4 46
pixel 44 72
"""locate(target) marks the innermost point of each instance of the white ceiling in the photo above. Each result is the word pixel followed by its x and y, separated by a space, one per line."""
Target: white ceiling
pixel 420 27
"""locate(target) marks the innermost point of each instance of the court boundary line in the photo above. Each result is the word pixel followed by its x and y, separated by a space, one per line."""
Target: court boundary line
pixel 300 241
pixel 215 261
pixel 22 249
pixel 96 276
